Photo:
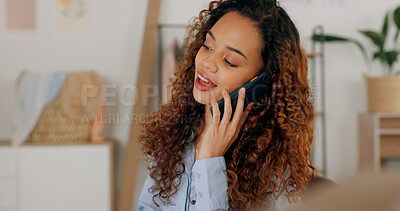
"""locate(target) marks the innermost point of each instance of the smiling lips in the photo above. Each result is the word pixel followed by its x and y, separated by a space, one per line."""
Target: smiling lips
pixel 203 83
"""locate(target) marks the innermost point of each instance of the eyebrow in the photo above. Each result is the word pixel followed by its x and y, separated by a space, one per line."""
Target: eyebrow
pixel 228 47
pixel 211 34
pixel 236 50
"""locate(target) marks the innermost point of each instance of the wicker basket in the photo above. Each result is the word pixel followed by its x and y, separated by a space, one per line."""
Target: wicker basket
pixel 384 94
pixel 54 126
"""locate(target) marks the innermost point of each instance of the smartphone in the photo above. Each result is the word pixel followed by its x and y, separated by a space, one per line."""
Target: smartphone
pixel 257 88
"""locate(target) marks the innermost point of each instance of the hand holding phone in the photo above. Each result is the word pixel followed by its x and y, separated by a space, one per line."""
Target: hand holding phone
pixel 256 89
pixel 218 137
pixel 220 134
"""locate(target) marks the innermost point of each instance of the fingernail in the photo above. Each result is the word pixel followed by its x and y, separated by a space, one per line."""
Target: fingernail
pixel 225 92
pixel 242 90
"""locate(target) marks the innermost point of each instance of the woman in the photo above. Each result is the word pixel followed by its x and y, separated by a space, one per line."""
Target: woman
pixel 198 161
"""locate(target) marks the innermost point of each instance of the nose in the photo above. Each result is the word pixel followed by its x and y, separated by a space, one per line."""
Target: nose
pixel 209 64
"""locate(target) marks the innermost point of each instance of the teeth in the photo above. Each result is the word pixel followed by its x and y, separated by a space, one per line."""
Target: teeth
pixel 203 79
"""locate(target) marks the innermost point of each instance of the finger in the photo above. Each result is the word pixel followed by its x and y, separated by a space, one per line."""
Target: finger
pixel 208 118
pixel 245 115
pixel 239 108
pixel 227 108
pixel 216 113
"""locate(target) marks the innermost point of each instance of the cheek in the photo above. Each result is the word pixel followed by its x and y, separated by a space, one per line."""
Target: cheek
pixel 230 82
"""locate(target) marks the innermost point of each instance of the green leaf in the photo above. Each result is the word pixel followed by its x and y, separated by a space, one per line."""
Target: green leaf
pixel 385 28
pixel 377 55
pixel 387 58
pixel 335 38
pixel 376 38
pixel 391 57
pixel 396 19
pixel 382 57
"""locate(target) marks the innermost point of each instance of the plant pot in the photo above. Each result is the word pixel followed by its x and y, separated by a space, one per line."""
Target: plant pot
pixel 383 94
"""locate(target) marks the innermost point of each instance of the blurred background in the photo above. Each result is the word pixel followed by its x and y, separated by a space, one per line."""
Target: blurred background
pixel 101 42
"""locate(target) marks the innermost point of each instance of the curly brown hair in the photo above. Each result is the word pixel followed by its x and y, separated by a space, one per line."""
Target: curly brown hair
pixel 272 152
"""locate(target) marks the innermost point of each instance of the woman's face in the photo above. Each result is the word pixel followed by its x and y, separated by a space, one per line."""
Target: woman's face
pixel 230 56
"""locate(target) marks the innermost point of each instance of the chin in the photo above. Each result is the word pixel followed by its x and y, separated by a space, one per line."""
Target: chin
pixel 201 97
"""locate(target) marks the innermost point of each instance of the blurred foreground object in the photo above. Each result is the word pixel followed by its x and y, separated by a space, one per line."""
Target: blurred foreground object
pixel 366 191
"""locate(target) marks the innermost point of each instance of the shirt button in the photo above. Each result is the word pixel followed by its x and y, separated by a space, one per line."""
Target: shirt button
pixel 193 202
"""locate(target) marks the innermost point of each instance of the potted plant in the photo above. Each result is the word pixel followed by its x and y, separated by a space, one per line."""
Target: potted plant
pixel 383 91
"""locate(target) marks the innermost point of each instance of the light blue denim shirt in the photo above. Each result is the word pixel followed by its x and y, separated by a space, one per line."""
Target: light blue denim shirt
pixel 203 187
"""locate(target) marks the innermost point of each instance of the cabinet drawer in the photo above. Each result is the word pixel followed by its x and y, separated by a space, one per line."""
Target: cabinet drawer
pixel 67 177
pixel 8 161
pixel 8 195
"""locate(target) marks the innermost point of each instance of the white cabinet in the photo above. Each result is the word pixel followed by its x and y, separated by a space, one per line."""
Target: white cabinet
pixel 8 179
pixel 57 177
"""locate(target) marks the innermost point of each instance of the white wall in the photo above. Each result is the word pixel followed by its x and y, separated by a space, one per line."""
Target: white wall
pixel 114 51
